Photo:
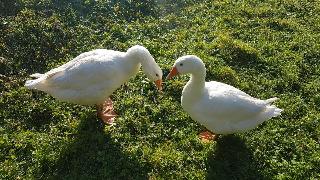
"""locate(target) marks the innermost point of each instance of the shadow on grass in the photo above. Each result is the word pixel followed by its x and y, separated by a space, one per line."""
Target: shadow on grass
pixel 94 154
pixel 232 160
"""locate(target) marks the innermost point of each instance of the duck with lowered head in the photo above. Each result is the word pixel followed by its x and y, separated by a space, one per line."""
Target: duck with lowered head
pixel 91 77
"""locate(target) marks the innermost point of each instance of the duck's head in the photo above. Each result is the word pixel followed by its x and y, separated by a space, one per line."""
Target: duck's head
pixel 149 65
pixel 189 64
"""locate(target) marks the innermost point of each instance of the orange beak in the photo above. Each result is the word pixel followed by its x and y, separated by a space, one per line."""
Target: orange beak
pixel 173 72
pixel 159 84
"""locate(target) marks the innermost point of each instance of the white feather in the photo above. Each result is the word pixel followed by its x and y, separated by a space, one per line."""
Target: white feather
pixel 91 77
pixel 221 108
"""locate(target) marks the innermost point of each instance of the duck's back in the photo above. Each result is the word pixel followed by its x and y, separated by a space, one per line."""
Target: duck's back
pixel 225 109
pixel 99 66
pixel 87 79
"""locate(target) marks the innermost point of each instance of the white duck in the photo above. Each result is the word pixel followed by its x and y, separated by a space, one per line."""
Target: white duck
pixel 91 77
pixel 221 108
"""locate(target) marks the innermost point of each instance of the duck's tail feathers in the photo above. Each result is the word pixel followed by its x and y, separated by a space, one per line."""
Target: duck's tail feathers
pixel 36 83
pixel 272 110
pixel 271 100
pixel 36 75
pixel 32 84
pixel 268 113
pixel 275 111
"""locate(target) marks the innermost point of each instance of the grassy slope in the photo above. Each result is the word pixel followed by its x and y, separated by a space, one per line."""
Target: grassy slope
pixel 264 48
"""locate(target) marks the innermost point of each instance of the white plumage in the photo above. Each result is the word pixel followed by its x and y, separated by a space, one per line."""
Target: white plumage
pixel 221 108
pixel 91 77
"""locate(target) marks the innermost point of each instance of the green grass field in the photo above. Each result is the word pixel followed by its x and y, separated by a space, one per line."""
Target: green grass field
pixel 265 48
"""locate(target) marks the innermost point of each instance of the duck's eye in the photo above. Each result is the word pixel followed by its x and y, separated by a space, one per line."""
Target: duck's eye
pixel 181 64
pixel 157 75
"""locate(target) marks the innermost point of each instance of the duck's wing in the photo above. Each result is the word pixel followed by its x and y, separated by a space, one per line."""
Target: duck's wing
pixel 218 86
pixel 85 55
pixel 227 103
pixel 88 68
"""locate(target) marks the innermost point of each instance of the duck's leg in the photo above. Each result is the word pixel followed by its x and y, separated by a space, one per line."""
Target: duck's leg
pixel 207 136
pixel 105 112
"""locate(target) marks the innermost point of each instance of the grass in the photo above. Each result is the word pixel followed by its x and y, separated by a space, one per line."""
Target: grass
pixel 266 48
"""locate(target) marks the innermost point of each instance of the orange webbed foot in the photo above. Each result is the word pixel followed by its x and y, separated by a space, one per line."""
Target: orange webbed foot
pixel 207 136
pixel 106 112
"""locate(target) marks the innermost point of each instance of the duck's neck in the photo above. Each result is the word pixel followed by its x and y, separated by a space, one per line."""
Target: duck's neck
pixel 143 62
pixel 131 66
pixel 136 59
pixel 196 84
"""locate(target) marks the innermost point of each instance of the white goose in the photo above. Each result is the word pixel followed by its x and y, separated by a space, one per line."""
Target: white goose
pixel 91 77
pixel 221 108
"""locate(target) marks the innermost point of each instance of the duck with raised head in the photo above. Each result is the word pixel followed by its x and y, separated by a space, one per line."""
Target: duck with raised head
pixel 221 108
pixel 91 77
